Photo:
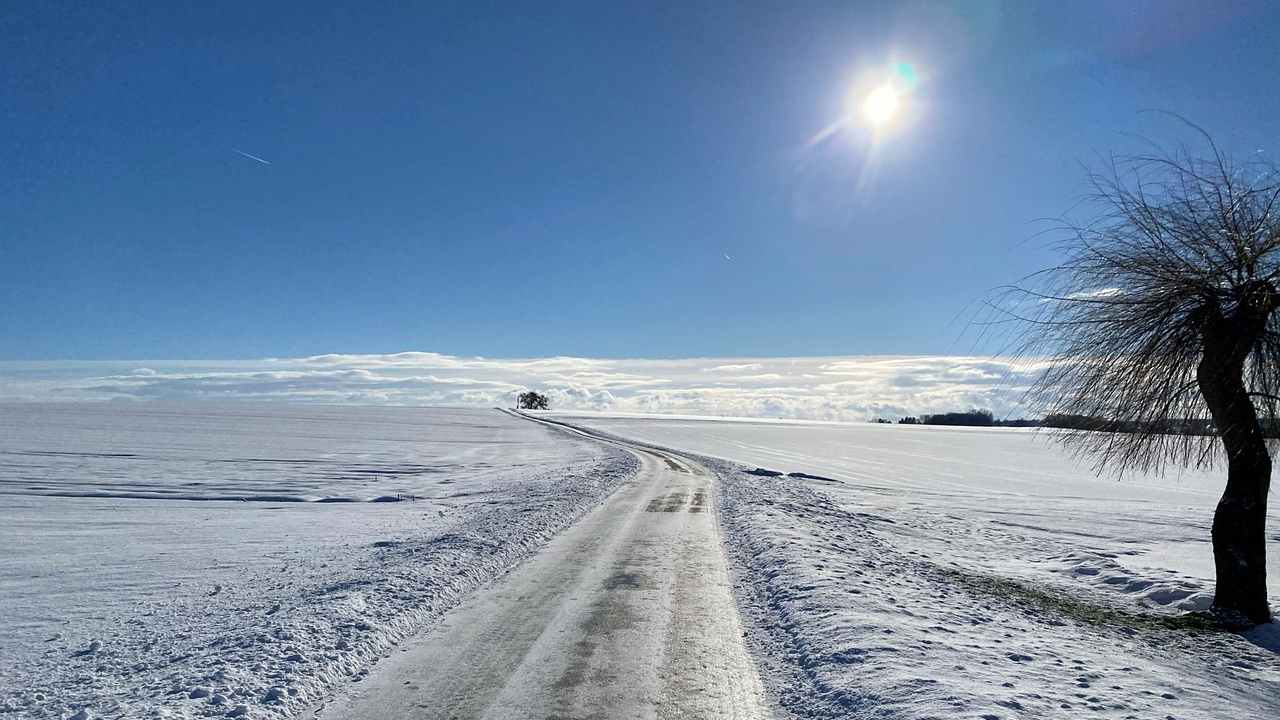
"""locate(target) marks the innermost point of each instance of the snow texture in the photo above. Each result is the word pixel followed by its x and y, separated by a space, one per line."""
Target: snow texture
pixel 242 593
pixel 898 572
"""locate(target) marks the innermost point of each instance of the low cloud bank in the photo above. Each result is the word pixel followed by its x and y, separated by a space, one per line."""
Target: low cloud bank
pixel 815 388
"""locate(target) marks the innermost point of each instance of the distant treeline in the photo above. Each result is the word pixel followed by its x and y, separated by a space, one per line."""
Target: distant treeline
pixel 973 418
pixel 985 418
pixel 1170 426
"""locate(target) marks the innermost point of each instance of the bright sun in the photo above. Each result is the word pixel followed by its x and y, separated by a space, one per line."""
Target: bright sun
pixel 881 105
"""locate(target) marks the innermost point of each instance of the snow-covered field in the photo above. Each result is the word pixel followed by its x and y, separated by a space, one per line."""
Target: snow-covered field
pixel 953 572
pixel 199 560
pixel 194 560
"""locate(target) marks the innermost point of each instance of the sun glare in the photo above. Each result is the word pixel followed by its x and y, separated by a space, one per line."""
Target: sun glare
pixel 881 105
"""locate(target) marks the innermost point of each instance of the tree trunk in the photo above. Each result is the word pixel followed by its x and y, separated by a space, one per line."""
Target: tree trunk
pixel 1239 524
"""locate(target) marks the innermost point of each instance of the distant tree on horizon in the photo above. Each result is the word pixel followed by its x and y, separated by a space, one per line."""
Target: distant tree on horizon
pixel 1163 314
pixel 531 400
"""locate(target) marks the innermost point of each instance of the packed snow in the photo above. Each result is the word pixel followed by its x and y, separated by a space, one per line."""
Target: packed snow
pixel 929 572
pixel 199 560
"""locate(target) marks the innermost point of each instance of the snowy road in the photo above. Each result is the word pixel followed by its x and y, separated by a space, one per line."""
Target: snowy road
pixel 927 572
pixel 626 614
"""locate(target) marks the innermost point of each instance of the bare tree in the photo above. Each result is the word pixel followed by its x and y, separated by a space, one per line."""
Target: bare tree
pixel 1163 317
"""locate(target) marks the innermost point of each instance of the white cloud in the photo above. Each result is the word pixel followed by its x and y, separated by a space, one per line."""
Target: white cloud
pixel 825 388
pixel 745 367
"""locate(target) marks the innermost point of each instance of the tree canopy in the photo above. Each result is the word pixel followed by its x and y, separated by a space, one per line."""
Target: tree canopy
pixel 1177 242
pixel 532 400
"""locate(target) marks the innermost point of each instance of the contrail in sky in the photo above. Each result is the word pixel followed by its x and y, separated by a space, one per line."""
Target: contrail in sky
pixel 253 157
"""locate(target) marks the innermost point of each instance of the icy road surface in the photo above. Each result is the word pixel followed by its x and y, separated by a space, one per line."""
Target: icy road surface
pixel 627 614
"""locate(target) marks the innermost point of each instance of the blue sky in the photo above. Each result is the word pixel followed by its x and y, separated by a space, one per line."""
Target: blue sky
pixel 486 179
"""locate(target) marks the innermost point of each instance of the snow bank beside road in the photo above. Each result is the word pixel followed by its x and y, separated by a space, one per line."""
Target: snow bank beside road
pixel 852 617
